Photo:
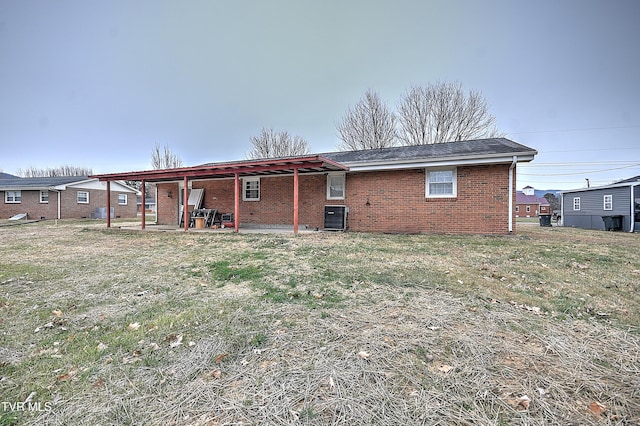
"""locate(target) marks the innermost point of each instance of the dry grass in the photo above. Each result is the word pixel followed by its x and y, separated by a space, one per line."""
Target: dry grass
pixel 114 327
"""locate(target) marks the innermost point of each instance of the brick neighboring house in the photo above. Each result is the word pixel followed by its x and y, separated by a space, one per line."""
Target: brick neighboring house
pixel 70 197
pixel 529 205
pixel 465 187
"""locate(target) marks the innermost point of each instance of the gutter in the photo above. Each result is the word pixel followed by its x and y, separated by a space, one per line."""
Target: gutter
pixel 435 162
pixel 511 168
pixel 633 208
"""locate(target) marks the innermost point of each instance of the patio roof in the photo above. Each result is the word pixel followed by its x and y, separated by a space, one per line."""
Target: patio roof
pixel 264 167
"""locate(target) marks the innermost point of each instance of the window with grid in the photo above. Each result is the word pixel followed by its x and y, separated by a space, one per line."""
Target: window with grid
pixel 13 197
pixel 608 202
pixel 441 183
pixel 576 203
pixel 83 197
pixel 251 189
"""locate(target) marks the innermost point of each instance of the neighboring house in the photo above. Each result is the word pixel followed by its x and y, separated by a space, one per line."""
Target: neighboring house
pixel 608 207
pixel 70 197
pixel 149 205
pixel 465 187
pixel 529 205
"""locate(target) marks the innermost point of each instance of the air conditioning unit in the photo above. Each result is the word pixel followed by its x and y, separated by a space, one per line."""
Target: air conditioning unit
pixel 335 218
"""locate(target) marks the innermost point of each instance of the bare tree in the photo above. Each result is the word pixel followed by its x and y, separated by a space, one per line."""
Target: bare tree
pixel 164 159
pixel 272 144
pixel 369 124
pixel 442 112
pixel 65 170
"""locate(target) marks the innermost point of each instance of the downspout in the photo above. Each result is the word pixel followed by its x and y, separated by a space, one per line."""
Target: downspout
pixel 633 208
pixel 511 168
pixel 59 208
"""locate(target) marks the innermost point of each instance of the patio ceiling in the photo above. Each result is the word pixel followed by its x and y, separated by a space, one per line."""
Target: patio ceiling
pixel 265 167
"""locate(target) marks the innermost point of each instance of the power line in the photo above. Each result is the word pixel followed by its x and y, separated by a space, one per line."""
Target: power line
pixel 575 130
pixel 581 172
pixel 576 163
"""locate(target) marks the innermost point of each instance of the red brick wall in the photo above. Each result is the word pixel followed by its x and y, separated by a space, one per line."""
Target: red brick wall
pixel 69 206
pixel 481 205
pixel 385 201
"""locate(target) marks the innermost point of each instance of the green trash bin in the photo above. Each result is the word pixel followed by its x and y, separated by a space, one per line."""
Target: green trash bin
pixel 545 220
pixel 612 223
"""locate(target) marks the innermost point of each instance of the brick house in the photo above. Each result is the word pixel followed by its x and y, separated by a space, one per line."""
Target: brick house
pixel 71 197
pixel 529 205
pixel 464 187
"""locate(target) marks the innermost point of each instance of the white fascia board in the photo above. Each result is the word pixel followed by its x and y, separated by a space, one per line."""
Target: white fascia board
pixel 24 188
pixel 403 164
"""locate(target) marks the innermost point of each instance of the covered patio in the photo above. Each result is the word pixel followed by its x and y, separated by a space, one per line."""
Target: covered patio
pixel 236 170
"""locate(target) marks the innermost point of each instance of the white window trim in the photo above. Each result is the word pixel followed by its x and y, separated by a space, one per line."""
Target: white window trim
pixel 454 188
pixel 13 198
pixel 344 184
pixel 576 203
pixel 44 201
pixel 245 181
pixel 78 197
pixel 607 199
pixel 125 199
pixel 528 209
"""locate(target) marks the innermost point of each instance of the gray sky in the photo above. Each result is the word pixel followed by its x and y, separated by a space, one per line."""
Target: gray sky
pixel 99 83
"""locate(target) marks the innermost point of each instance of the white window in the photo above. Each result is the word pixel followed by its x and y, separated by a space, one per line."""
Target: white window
pixel 251 189
pixel 517 209
pixel 528 208
pixel 83 197
pixel 441 183
pixel 608 202
pixel 122 199
pixel 44 196
pixel 13 197
pixel 335 186
pixel 576 203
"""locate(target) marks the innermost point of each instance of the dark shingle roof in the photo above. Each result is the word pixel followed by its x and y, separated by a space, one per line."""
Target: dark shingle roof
pixel 630 180
pixel 6 176
pixel 477 147
pixel 39 182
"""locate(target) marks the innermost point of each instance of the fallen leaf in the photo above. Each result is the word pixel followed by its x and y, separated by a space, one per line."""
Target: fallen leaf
pixel 332 385
pixel 57 312
pixel 130 359
pixel 597 409
pixel 102 346
pixel 174 340
pixel 524 401
pixel 216 374
pixel 66 376
pixel 98 384
pixel 219 358
pixel 445 368
pixel 154 346
pixel 364 354
pixel 133 326
pixel 389 341
pixel 192 344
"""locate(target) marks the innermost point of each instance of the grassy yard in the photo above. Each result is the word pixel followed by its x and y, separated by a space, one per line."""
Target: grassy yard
pixel 126 327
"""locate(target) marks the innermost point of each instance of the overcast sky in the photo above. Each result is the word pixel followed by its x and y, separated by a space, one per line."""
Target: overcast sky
pixel 99 83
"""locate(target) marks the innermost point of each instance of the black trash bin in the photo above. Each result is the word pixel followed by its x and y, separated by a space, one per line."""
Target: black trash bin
pixel 612 223
pixel 545 220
